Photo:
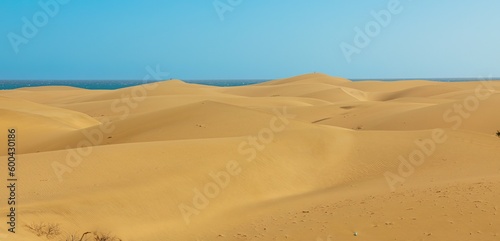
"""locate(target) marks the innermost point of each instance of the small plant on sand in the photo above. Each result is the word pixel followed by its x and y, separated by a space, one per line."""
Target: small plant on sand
pixel 92 236
pixel 37 229
pixel 52 230
pixel 49 230
pixel 498 133
pixel 104 237
pixel 75 237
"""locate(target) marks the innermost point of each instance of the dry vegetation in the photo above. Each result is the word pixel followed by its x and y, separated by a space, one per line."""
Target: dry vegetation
pixel 52 230
pixel 49 230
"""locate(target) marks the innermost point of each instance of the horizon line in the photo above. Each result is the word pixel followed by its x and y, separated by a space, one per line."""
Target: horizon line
pixel 257 79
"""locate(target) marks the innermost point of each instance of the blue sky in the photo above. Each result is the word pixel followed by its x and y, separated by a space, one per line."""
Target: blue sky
pixel 257 39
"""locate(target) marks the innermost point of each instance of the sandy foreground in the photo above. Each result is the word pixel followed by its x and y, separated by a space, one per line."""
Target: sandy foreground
pixel 311 157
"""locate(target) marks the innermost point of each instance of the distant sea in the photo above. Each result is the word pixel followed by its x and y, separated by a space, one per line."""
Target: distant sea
pixel 117 84
pixel 110 84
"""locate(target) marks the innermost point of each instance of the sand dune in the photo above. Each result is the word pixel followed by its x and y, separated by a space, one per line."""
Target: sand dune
pixel 312 157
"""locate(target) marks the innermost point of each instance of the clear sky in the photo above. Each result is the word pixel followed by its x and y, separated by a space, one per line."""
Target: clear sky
pixel 248 39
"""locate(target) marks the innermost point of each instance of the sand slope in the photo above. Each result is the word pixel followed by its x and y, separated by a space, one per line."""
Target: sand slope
pixel 311 157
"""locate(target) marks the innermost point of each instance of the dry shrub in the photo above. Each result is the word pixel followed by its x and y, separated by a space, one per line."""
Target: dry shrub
pixel 49 230
pixel 105 237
